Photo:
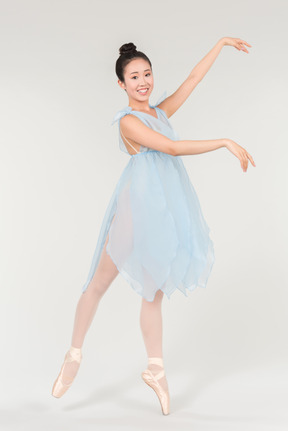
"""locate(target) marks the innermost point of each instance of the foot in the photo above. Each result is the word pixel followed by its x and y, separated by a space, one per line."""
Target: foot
pixel 154 376
pixel 155 369
pixel 68 372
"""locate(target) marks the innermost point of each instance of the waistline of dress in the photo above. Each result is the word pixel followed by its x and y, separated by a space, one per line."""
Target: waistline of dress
pixel 145 152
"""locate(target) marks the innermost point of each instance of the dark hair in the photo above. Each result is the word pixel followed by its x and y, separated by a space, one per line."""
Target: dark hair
pixel 128 52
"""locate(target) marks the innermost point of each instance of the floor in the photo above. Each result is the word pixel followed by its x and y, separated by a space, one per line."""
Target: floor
pixel 248 400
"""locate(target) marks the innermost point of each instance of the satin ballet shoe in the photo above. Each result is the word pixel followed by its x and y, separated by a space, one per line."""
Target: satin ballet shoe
pixel 59 387
pixel 152 380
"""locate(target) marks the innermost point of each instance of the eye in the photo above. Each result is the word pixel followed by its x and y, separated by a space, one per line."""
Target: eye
pixel 145 75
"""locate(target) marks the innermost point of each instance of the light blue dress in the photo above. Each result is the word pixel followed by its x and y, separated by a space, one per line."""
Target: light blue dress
pixel 159 238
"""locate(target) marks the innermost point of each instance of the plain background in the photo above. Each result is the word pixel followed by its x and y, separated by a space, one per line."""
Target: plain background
pixel 225 347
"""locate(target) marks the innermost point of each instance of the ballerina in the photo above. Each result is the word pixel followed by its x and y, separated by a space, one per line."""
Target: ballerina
pixel 153 232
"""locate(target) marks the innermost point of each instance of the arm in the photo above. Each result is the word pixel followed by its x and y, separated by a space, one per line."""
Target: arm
pixel 173 102
pixel 183 148
pixel 133 128
pixel 199 147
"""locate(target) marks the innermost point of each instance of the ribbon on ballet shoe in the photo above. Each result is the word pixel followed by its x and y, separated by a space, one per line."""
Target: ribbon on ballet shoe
pixel 75 354
pixel 163 396
pixel 156 361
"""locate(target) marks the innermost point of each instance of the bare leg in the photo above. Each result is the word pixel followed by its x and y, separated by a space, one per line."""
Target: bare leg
pixel 88 303
pixel 151 327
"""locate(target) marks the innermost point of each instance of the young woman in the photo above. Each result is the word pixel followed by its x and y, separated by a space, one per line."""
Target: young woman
pixel 153 231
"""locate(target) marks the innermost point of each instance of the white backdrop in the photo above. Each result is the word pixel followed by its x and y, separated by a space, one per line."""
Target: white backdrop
pixel 225 347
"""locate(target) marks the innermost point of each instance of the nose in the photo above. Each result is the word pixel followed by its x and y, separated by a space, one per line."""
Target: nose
pixel 142 81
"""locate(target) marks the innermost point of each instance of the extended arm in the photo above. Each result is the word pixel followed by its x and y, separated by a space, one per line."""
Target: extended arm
pixel 173 102
pixel 133 128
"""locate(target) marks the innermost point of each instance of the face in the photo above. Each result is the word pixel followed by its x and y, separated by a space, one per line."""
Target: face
pixel 137 76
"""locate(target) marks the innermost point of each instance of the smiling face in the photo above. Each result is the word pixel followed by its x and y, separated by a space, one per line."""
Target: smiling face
pixel 138 76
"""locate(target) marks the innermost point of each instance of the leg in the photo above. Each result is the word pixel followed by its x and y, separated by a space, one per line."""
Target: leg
pixel 88 303
pixel 151 326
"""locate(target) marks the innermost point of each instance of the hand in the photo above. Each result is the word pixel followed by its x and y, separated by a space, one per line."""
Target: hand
pixel 241 153
pixel 237 43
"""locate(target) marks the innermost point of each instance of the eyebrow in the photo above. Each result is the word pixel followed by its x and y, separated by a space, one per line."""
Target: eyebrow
pixel 137 72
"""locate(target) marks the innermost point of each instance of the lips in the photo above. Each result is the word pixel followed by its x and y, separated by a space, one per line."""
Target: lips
pixel 143 90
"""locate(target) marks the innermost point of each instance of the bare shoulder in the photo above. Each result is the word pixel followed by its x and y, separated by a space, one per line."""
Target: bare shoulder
pixel 125 130
pixel 129 119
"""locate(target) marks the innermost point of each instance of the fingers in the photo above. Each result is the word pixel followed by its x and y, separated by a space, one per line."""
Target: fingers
pixel 244 42
pixel 245 160
pixel 241 46
pixel 251 159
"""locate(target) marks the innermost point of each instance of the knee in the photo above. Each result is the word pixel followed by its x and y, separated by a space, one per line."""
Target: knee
pixel 98 286
pixel 158 297
pixel 102 279
pixel 157 301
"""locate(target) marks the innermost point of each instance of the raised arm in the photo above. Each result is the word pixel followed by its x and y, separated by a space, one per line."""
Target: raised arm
pixel 173 102
pixel 133 128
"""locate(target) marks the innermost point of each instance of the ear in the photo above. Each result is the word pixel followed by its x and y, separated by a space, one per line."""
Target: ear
pixel 121 84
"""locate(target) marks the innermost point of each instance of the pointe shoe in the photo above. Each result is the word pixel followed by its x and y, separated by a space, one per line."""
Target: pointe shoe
pixel 59 387
pixel 152 380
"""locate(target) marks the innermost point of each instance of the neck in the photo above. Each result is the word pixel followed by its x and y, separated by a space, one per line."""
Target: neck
pixel 140 106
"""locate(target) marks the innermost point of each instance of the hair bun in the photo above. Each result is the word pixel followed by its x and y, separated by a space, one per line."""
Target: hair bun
pixel 127 48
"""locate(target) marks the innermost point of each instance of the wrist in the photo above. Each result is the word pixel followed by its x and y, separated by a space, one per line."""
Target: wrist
pixel 222 41
pixel 226 142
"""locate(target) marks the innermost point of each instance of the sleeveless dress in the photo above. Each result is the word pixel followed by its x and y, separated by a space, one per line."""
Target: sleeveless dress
pixel 158 238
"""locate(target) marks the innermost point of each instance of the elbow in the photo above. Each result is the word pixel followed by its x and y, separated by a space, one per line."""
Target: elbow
pixel 173 149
